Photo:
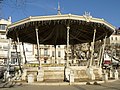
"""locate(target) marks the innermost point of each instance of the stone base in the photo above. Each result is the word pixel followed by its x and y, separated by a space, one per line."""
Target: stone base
pixel 111 74
pixel 40 76
pixel 67 74
pixel 100 72
pixel 71 77
pixel 90 73
pixel 105 77
pixel 24 75
pixel 116 75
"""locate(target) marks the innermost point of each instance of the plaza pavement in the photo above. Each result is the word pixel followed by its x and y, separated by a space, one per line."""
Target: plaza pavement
pixel 111 85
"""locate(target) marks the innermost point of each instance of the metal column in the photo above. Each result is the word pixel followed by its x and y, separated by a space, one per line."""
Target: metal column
pixel 99 56
pixel 92 53
pixel 9 58
pixel 102 56
pixel 67 62
pixel 38 52
pixel 24 53
pixel 19 63
pixel 55 55
pixel 19 48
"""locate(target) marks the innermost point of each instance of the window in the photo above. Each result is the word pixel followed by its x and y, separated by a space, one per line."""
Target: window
pixel 53 53
pixel 111 38
pixel 53 46
pixel 14 55
pixel 58 46
pixel 45 61
pixel 116 38
pixel 5 61
pixel 45 52
pixel 59 54
pixel 2 26
pixel 14 46
pixel 13 61
pixel 27 50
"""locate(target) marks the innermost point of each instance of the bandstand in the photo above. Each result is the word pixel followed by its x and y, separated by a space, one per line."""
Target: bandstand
pixel 61 29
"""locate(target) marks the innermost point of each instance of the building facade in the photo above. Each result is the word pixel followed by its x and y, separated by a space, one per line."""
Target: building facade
pixel 115 37
pixel 8 51
pixel 50 53
pixel 4 40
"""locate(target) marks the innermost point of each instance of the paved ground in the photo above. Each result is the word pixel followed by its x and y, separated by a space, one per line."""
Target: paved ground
pixel 104 86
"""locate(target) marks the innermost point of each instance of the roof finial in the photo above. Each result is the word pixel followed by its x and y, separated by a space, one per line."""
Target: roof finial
pixel 87 14
pixel 59 12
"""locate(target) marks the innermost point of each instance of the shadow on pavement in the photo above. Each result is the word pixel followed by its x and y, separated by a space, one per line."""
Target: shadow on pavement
pixel 9 84
pixel 78 87
pixel 111 87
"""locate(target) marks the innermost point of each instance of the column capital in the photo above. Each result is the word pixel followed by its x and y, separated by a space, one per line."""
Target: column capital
pixel 68 27
pixel 36 29
pixel 95 30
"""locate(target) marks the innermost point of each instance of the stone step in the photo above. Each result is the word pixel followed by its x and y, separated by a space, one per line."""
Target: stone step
pixel 54 80
pixel 82 80
pixel 53 74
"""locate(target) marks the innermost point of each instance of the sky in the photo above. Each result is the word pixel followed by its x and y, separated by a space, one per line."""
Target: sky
pixel 20 9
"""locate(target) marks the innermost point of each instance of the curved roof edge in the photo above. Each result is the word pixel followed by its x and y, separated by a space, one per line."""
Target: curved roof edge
pixel 62 17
